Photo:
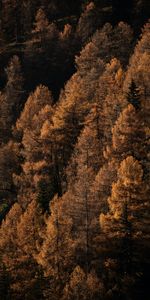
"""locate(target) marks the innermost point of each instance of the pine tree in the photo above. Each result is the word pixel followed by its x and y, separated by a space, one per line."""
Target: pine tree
pixel 133 95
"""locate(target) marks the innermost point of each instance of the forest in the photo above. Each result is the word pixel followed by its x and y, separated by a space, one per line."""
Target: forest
pixel 74 149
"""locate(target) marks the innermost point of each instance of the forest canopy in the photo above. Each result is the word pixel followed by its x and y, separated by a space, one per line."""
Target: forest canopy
pixel 74 150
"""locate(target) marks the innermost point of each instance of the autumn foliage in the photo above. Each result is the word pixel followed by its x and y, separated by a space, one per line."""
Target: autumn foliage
pixel 74 150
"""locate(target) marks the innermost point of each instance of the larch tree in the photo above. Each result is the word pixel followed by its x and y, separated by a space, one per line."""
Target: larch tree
pixel 88 59
pixel 56 255
pixel 8 165
pixel 67 124
pixel 41 21
pixel 35 102
pixel 12 97
pixel 14 86
pixel 82 286
pixel 129 135
pixel 138 70
pixel 100 190
pixel 20 244
pixel 86 24
pixel 90 143
pixel 43 30
pixel 85 163
pixel 109 96
pixel 126 223
pixel 133 95
pixel 29 230
pixel 69 46
pixel 109 40
pixel 36 166
pixel 128 138
pixel 8 244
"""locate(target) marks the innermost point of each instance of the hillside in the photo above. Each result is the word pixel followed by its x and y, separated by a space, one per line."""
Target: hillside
pixel 74 150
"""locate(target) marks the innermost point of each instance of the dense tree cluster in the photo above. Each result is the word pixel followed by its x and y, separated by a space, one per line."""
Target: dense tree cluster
pixel 74 150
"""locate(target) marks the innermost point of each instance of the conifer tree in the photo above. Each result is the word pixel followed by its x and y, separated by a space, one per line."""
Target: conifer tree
pixel 67 124
pixel 20 248
pixel 35 102
pixel 89 146
pixel 129 135
pixel 57 251
pixel 101 188
pixel 85 163
pixel 88 59
pixel 109 40
pixel 8 245
pixel 28 227
pixel 14 87
pixel 126 223
pixel 41 22
pixel 86 24
pixel 29 239
pixel 133 96
pixel 110 96
pixel 138 71
pixel 8 164
pixel 12 97
pixel 128 138
pixel 37 160
pixel 84 287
